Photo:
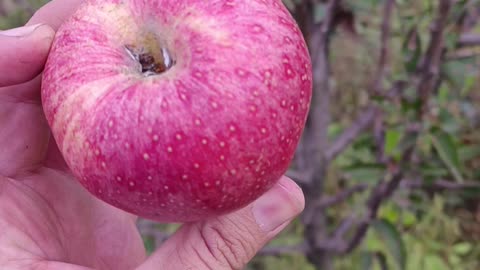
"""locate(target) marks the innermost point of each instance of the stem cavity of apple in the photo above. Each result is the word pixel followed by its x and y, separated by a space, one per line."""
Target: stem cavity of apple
pixel 149 66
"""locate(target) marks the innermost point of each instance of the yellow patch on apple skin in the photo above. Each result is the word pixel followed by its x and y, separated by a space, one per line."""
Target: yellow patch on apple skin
pixel 69 116
pixel 122 26
pixel 207 26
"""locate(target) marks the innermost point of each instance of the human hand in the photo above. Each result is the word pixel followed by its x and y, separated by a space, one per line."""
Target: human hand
pixel 49 222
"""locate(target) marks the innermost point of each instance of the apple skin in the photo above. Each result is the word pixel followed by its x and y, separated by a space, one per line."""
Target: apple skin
pixel 204 138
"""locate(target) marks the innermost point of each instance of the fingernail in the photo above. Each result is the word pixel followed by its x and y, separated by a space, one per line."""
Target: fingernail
pixel 20 31
pixel 280 204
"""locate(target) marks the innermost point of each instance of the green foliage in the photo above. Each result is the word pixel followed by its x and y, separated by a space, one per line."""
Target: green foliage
pixel 392 239
pixel 16 13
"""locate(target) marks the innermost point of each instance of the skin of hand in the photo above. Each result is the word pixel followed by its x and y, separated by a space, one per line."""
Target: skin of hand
pixel 49 222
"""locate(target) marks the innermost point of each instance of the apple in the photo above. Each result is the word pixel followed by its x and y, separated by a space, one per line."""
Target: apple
pixel 178 110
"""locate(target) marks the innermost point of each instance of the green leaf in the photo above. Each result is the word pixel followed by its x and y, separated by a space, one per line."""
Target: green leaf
pixel 366 261
pixel 462 248
pixel 434 262
pixel 392 138
pixel 408 219
pixel 458 71
pixel 393 241
pixel 447 150
pixel 470 81
pixel 449 122
pixel 149 243
pixel 365 172
pixel 468 152
pixel 431 171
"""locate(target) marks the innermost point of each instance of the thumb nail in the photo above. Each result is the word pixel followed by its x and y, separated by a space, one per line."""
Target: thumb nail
pixel 20 31
pixel 280 204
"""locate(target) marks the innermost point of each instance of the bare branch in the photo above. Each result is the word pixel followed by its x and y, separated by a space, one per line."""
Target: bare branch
pixel 430 65
pixel 315 139
pixel 379 194
pixel 384 39
pixel 467 40
pixel 440 185
pixel 348 136
pixel 371 113
pixel 319 118
pixel 342 196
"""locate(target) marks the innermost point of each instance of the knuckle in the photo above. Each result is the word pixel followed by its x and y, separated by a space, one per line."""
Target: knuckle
pixel 231 244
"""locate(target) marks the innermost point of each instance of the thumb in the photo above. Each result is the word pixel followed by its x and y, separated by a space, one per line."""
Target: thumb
pixel 23 52
pixel 230 241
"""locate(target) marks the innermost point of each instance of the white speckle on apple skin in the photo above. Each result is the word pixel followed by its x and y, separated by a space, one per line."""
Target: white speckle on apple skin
pixel 206 137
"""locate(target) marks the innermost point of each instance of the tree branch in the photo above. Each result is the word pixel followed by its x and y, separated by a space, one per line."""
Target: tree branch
pixel 467 40
pixel 342 196
pixel 384 52
pixel 360 124
pixel 320 116
pixel 440 185
pixel 379 194
pixel 315 138
pixel 371 112
pixel 428 71
pixel 429 68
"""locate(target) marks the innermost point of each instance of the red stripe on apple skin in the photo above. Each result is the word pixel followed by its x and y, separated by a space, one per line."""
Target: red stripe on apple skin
pixel 204 138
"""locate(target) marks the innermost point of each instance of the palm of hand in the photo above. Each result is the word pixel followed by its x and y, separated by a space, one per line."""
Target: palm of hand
pixel 45 215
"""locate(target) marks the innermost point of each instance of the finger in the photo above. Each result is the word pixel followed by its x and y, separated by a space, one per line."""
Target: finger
pixel 55 13
pixel 230 241
pixel 23 52
pixel 54 265
pixel 22 93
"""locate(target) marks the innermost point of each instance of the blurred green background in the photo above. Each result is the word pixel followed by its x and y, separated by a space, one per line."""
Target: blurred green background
pixel 433 224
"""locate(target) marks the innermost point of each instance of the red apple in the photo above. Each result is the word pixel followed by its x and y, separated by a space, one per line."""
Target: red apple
pixel 178 110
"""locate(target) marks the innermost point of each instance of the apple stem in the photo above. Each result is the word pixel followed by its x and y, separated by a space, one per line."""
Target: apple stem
pixel 149 65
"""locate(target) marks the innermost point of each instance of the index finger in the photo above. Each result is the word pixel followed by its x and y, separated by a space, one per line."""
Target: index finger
pixel 55 13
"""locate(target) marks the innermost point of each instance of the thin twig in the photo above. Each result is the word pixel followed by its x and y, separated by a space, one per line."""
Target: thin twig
pixel 359 125
pixel 342 196
pixel 384 45
pixel 467 40
pixel 379 194
pixel 440 185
